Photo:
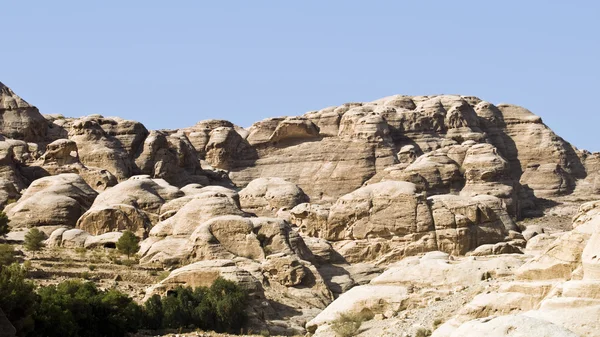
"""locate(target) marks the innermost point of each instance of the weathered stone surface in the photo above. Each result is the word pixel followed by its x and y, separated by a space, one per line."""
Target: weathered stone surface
pixel 73 238
pixel 171 157
pixel 375 299
pixel 62 156
pixel 52 201
pixel 264 196
pixel 131 205
pixel 511 326
pixel 19 119
pixel 107 240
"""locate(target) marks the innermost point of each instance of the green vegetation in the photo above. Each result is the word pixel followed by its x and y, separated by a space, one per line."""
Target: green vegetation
pixel 348 324
pixel 4 229
pixel 422 332
pixel 220 308
pixel 17 298
pixel 34 240
pixel 77 308
pixel 128 244
pixel 7 255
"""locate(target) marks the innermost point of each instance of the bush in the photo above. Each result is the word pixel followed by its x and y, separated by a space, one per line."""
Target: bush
pixel 17 298
pixel 348 324
pixel 153 313
pixel 7 255
pixel 34 240
pixel 4 229
pixel 75 308
pixel 128 243
pixel 220 308
pixel 422 332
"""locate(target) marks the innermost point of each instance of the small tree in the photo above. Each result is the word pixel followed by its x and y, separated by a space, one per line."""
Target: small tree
pixel 34 240
pixel 128 243
pixel 4 229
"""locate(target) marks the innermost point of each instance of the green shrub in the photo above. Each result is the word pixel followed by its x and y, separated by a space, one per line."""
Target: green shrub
pixel 153 313
pixel 91 267
pixel 7 255
pixel 128 243
pixel 34 240
pixel 348 324
pixel 17 298
pixel 220 308
pixel 81 251
pixel 75 308
pixel 4 229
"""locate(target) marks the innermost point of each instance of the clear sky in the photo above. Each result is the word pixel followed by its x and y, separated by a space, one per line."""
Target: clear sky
pixel 170 64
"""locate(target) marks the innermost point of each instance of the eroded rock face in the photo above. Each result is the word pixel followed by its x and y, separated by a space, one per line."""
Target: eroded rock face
pixel 265 196
pixel 62 156
pixel 131 205
pixel 19 119
pixel 52 201
pixel 389 220
pixel 391 205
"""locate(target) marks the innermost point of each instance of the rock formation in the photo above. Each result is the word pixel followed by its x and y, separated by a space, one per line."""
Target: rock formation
pixel 404 209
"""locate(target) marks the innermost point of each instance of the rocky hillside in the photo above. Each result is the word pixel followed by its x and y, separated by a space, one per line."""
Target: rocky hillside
pixel 413 210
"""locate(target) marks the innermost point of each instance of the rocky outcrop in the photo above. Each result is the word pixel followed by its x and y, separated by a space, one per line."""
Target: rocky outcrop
pixel 19 119
pixel 52 201
pixel 131 205
pixel 265 196
pixel 391 220
pixel 62 156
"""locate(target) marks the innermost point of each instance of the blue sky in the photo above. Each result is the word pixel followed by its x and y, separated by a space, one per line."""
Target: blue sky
pixel 170 64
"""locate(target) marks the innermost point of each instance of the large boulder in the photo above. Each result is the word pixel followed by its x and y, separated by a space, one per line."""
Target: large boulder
pixel 131 205
pixel 265 196
pixel 52 201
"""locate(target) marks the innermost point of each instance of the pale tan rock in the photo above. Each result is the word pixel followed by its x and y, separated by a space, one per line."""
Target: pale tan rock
pixel 131 205
pixel 119 217
pixel 99 148
pixel 511 326
pixel 380 210
pixel 62 156
pixel 590 257
pixel 199 209
pixel 55 238
pixel 558 261
pixel 264 196
pixel 107 240
pixel 52 201
pixel 374 298
pixel 576 314
pixel 294 128
pixel 435 269
pixel 19 119
pixel 171 157
pixel 310 219
pixel 74 238
pixel 287 270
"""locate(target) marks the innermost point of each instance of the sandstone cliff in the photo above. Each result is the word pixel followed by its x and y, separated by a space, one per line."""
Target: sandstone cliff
pixel 300 210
